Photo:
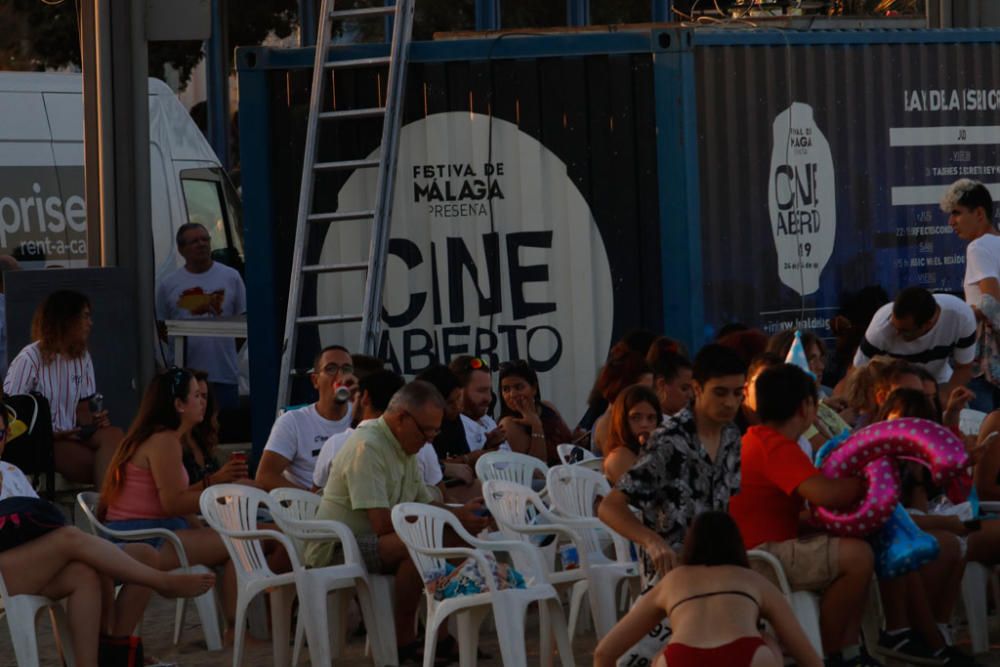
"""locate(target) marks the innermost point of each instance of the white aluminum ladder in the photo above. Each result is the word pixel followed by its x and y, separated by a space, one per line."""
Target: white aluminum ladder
pixel 379 214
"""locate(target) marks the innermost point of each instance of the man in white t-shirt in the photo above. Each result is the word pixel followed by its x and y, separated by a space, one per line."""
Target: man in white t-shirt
pixel 969 206
pixel 297 436
pixel 936 331
pixel 205 289
pixel 481 432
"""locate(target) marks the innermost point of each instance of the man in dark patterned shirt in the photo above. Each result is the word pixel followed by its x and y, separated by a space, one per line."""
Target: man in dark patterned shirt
pixel 689 465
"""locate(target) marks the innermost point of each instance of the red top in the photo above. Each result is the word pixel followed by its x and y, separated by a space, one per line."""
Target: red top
pixel 771 468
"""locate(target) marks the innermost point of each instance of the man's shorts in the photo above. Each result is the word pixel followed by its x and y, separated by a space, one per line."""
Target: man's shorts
pixel 322 554
pixel 810 563
pixel 368 546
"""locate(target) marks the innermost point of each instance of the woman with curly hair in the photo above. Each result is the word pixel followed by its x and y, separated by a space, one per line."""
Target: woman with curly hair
pixel 58 366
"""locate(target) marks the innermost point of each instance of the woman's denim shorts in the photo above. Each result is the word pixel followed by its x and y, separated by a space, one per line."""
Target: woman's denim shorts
pixel 171 523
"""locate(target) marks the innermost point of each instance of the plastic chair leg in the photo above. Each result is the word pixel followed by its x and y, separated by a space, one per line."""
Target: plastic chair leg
pixel 379 621
pixel 21 622
pixel 282 598
pixel 563 643
pixel 974 597
pixel 577 593
pixel 208 614
pixel 509 616
pixel 179 619
pixel 240 628
pixel 467 632
pixel 602 604
pixel 806 608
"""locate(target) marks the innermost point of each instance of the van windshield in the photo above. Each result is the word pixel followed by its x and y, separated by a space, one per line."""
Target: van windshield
pixel 212 203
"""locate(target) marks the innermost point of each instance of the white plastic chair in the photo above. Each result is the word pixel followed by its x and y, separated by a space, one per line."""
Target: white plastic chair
pixel 804 604
pixel 570 454
pixel 970 420
pixel 22 612
pixel 974 583
pixel 296 516
pixel 573 491
pixel 521 514
pixel 509 467
pixel 421 527
pixel 205 603
pixel 231 510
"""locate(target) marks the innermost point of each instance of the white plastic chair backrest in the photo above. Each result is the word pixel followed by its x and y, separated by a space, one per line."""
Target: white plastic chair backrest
pixel 422 526
pixel 297 505
pixel 517 506
pixel 510 467
pixel 969 421
pixel 233 507
pixel 570 453
pixel 573 490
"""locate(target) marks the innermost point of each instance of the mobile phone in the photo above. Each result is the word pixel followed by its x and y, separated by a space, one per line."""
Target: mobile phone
pixel 96 403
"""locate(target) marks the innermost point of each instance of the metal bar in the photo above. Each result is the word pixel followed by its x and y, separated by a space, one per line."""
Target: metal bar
pixel 662 10
pixel 263 310
pixel 339 216
pixel 307 22
pixel 305 203
pixel 577 12
pixel 487 14
pixel 352 113
pixel 345 165
pixel 360 62
pixel 128 116
pixel 329 319
pixel 217 63
pixel 677 157
pixel 367 12
pixel 335 268
pixel 385 184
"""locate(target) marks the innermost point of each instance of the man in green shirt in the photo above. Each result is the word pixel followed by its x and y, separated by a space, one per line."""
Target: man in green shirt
pixel 376 470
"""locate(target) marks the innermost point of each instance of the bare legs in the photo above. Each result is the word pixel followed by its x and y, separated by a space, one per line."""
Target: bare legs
pixel 66 563
pixel 84 461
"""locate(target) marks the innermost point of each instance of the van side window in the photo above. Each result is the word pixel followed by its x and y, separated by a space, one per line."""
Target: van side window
pixel 211 202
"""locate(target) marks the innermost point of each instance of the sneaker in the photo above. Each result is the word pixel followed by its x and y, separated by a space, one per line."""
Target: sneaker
pixel 909 647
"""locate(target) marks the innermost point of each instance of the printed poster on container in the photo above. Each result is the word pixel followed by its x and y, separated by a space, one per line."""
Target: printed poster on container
pixel 494 252
pixel 816 200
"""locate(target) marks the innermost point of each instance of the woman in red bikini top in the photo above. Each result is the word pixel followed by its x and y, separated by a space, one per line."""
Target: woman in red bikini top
pixel 715 604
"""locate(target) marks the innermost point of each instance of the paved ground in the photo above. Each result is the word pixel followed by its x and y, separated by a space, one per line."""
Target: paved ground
pixel 191 651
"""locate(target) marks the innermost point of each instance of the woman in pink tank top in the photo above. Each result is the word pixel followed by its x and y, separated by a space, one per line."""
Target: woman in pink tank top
pixel 147 486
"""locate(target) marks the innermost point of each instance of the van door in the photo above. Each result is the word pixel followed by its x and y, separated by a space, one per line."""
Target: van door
pixel 212 202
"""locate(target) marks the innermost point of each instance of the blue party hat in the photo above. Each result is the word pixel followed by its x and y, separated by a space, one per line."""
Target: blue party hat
pixel 797 355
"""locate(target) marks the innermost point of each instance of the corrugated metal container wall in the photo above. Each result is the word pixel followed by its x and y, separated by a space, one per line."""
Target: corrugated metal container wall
pixel 537 272
pixel 821 169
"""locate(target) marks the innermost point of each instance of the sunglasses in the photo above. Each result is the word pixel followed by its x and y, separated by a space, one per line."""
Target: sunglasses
pixel 477 364
pixel 177 383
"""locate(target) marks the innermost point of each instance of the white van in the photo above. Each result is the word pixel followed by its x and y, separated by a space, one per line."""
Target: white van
pixel 42 207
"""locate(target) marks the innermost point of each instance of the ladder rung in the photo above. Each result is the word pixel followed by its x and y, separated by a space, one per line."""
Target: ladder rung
pixel 346 164
pixel 366 12
pixel 341 216
pixel 352 113
pixel 358 62
pixel 335 268
pixel 328 319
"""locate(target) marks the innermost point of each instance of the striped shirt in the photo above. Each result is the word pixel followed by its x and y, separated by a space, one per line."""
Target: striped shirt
pixel 64 382
pixel 952 338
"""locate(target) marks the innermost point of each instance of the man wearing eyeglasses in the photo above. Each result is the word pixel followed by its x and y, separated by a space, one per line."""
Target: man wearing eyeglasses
pixel 374 471
pixel 204 289
pixel 297 436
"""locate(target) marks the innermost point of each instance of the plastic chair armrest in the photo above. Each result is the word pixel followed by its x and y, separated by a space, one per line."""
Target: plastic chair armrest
pixel 779 572
pixel 265 534
pixel 324 530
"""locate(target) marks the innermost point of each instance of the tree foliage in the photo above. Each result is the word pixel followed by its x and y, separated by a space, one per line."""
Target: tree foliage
pixel 40 35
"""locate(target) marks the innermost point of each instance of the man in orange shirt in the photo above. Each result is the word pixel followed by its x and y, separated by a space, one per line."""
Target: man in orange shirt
pixel 777 479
